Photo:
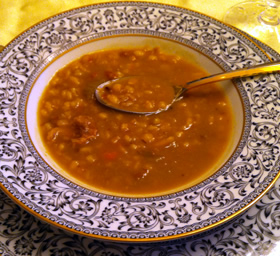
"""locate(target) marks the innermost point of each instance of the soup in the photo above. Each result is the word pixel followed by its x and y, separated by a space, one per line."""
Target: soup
pixel 140 94
pixel 128 154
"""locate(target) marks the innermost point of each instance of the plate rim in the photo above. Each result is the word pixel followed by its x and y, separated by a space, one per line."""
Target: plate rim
pixel 126 239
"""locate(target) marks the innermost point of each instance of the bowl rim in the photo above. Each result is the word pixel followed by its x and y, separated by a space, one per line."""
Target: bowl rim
pixel 234 151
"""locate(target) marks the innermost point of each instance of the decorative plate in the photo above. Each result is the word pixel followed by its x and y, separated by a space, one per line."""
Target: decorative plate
pixel 247 175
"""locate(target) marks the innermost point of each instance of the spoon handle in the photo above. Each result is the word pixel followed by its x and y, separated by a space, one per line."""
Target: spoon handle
pixel 250 71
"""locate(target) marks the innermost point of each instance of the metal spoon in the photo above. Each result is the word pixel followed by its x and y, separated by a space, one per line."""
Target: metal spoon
pixel 179 91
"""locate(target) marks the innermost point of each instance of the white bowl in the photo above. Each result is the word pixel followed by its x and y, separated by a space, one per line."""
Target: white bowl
pixel 130 41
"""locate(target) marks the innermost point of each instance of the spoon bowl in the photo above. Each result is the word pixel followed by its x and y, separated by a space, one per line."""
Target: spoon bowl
pixel 177 93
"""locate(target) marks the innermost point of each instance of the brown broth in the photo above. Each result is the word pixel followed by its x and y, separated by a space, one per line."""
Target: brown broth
pixel 129 154
pixel 138 94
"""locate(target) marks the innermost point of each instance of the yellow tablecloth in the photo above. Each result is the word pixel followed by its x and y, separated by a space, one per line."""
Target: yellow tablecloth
pixel 18 15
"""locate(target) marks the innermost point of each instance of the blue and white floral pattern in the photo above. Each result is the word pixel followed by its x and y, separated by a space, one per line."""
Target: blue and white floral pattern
pixel 26 177
pixel 256 232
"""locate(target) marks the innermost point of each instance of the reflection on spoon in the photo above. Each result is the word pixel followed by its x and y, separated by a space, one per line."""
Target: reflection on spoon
pixel 153 97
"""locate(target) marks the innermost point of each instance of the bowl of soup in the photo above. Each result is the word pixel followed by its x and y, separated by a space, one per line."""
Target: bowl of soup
pixel 127 154
pixel 128 177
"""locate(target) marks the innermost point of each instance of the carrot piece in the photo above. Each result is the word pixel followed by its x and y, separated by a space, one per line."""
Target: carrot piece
pixel 110 155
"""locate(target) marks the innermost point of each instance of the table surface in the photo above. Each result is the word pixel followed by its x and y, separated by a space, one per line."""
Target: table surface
pixel 247 235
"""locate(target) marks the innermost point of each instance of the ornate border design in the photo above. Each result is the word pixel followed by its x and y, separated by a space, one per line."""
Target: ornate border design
pixel 246 177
